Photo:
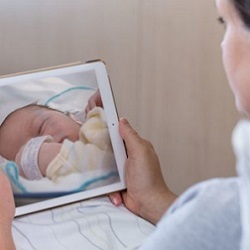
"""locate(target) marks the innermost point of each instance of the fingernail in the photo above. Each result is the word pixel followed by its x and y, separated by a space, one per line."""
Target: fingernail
pixel 116 201
pixel 124 120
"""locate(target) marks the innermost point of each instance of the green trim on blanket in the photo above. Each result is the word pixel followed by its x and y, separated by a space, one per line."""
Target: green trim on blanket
pixel 66 91
pixel 13 175
pixel 20 191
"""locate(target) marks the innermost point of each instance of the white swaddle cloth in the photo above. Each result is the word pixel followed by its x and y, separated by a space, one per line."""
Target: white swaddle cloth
pixel 241 142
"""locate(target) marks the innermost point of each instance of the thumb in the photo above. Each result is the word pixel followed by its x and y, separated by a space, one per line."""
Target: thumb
pixel 129 135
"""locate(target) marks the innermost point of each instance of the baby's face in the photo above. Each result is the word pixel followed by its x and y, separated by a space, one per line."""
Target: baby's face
pixel 35 121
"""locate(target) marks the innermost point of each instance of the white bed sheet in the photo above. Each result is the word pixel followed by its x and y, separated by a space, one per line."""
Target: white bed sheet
pixel 92 224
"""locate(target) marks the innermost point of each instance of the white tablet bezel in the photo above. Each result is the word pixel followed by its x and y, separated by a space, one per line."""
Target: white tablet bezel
pixel 112 121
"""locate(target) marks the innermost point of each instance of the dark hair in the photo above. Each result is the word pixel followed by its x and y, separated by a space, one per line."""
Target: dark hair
pixel 243 8
pixel 29 106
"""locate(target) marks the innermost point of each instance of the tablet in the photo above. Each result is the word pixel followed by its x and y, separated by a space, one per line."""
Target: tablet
pixel 94 162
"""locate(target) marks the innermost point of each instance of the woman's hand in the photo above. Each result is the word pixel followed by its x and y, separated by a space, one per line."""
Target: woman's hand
pixel 94 101
pixel 147 194
pixel 7 212
pixel 7 205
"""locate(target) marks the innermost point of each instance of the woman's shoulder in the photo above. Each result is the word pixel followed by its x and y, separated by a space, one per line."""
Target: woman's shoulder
pixel 217 191
pixel 202 218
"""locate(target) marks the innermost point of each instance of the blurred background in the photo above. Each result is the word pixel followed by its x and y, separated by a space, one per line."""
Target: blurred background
pixel 164 61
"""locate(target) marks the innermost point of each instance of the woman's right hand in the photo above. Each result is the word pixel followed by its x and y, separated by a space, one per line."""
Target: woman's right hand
pixel 147 194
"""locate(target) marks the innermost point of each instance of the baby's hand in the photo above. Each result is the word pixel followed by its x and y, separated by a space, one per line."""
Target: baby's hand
pixel 47 153
pixel 36 153
pixel 94 101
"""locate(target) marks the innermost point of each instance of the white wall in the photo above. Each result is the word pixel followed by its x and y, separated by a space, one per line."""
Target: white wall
pixel 163 57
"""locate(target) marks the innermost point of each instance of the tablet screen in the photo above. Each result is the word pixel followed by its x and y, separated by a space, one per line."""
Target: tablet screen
pixel 59 138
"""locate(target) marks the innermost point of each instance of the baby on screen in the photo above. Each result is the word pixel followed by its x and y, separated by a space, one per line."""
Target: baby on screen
pixel 45 142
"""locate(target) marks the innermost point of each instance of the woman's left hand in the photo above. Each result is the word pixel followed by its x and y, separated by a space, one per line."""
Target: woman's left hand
pixel 7 205
pixel 7 212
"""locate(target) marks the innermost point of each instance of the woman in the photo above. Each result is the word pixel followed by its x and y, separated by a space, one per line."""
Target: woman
pixel 207 216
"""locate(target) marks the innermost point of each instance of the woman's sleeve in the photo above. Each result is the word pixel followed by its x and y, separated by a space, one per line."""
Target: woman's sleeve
pixel 207 217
